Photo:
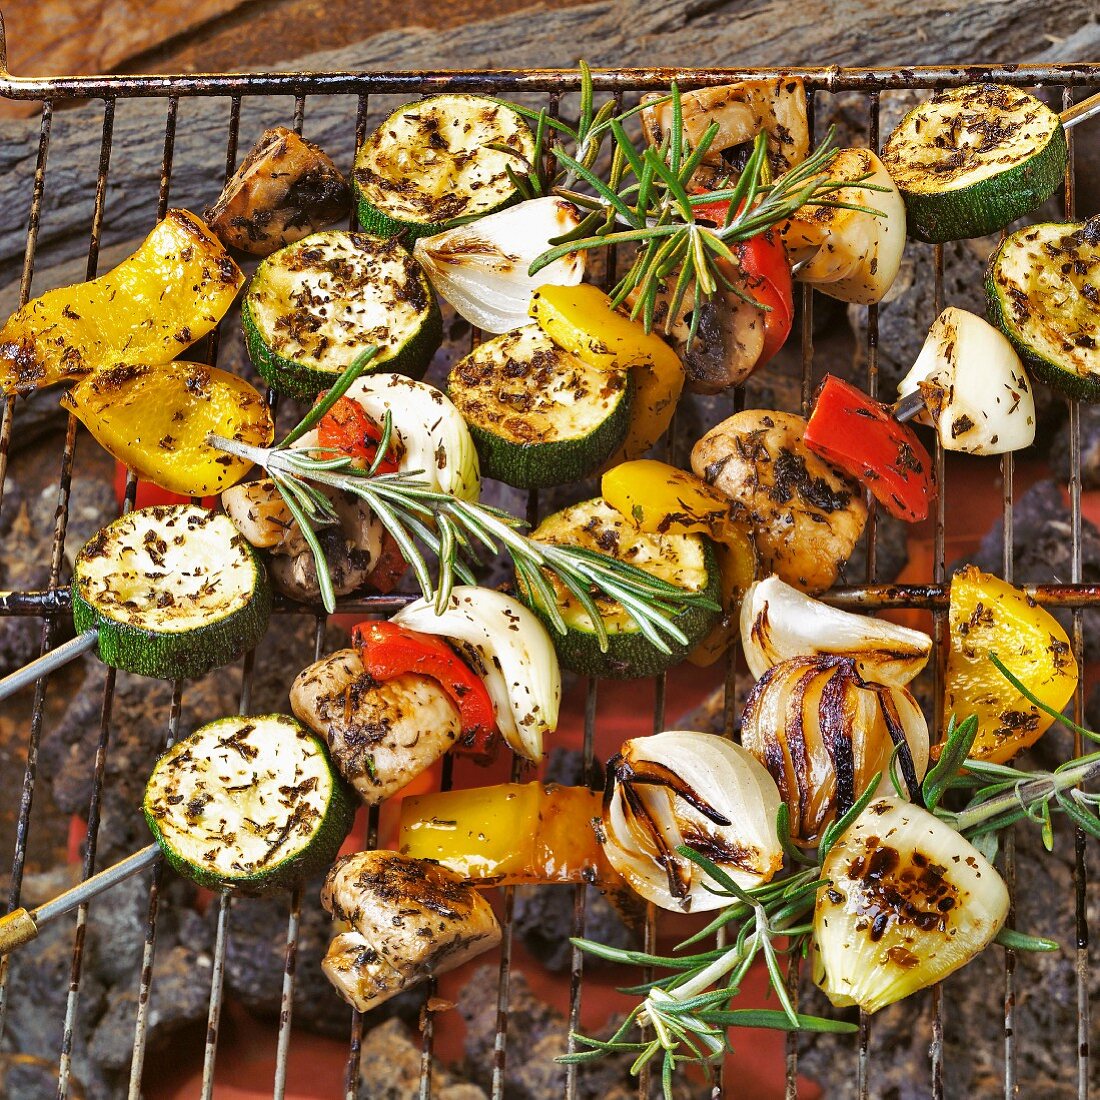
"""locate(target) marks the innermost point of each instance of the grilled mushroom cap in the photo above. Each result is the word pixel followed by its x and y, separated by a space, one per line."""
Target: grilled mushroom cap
pixel 410 919
pixel 380 735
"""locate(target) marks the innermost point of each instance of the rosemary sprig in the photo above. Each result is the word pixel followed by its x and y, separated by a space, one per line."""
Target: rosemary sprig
pixel 688 1007
pixel 454 530
pixel 649 193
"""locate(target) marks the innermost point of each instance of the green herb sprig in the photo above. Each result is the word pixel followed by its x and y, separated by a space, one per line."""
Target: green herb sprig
pixel 647 202
pixel 688 1007
pixel 454 531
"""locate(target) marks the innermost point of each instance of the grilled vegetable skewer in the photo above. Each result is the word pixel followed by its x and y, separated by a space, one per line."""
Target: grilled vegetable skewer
pixel 245 804
pixel 170 592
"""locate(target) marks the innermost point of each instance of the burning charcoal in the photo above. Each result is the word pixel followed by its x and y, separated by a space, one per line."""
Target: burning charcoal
pixel 1042 551
pixel 891 541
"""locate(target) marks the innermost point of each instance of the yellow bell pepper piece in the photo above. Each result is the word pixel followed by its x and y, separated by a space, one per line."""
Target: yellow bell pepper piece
pixel 171 292
pixel 737 570
pixel 156 419
pixel 660 498
pixel 988 614
pixel 580 319
pixel 663 499
pixel 509 834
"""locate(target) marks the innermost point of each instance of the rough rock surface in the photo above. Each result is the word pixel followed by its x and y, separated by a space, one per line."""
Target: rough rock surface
pixel 535 1075
pixel 390 1068
pixel 1042 538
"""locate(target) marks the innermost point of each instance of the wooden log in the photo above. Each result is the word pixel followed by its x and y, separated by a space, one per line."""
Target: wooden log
pixel 606 33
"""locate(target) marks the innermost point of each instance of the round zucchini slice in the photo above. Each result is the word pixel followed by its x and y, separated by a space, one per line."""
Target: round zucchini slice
pixel 248 805
pixel 174 591
pixel 1043 292
pixel 430 165
pixel 971 160
pixel 685 560
pixel 539 416
pixel 313 306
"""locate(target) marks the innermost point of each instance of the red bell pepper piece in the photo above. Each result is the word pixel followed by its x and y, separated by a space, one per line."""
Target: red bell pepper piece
pixel 389 649
pixel 857 433
pixel 346 427
pixel 762 261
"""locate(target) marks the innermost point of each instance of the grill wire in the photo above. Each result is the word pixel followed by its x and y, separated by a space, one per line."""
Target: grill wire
pixel 52 604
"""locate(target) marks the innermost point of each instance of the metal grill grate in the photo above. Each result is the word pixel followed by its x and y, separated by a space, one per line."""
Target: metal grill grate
pixel 50 604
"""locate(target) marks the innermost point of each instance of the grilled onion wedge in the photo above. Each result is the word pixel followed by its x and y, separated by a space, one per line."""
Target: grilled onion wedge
pixel 248 804
pixel 910 901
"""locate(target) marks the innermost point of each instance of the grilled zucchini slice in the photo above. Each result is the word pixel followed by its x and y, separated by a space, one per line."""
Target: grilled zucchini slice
pixel 249 805
pixel 539 416
pixel 174 591
pixel 312 306
pixel 430 165
pixel 685 560
pixel 971 160
pixel 1043 292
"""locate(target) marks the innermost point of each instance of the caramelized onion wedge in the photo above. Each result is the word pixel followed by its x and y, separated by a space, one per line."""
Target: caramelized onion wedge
pixel 779 622
pixel 823 733
pixel 910 901
pixel 697 789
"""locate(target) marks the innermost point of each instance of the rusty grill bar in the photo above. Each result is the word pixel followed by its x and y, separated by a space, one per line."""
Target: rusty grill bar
pixel 52 603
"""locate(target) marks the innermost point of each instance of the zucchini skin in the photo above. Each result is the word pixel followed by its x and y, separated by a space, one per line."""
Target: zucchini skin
pixel 374 220
pixel 630 655
pixel 315 858
pixel 989 205
pixel 187 655
pixel 558 462
pixel 1073 385
pixel 297 378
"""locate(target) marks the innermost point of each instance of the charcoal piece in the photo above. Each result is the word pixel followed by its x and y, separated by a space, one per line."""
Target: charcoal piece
pixel 1059 452
pixel 544 922
pixel 389 1067
pixel 255 957
pixel 23 1077
pixel 38 987
pixel 566 766
pixel 531 1072
pixel 892 551
pixel 1042 545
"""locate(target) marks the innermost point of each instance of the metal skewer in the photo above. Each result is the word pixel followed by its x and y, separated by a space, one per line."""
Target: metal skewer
pixel 21 925
pixel 1079 112
pixel 48 662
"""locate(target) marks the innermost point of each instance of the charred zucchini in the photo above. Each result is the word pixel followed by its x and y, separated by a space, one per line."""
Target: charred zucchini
pixel 685 560
pixel 1043 292
pixel 971 160
pixel 248 804
pixel 174 591
pixel 539 415
pixel 312 306
pixel 431 165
